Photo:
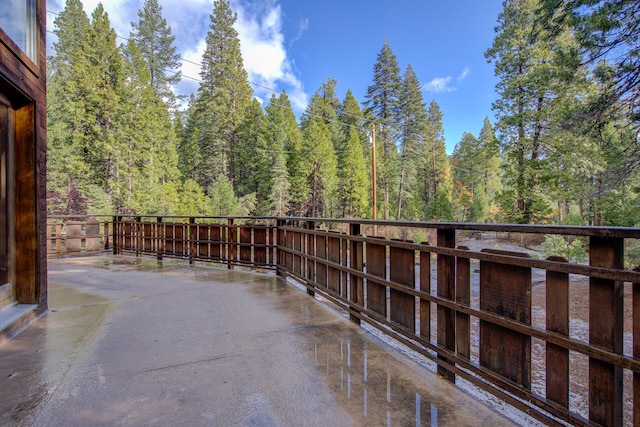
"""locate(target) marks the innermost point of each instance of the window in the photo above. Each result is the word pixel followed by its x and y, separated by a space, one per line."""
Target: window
pixel 18 20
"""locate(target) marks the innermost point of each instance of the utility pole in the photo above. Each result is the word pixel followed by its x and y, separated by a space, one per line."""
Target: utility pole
pixel 374 202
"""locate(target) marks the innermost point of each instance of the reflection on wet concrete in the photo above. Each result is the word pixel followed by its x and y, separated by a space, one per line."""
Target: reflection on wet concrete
pixel 34 363
pixel 130 342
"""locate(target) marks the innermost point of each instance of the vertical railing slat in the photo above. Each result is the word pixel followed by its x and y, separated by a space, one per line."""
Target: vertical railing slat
pixel 356 290
pixel 425 286
pixel 446 289
pixel 463 296
pixel 557 318
pixel 377 266
pixel 505 290
pixel 402 306
pixel 605 331
pixel 333 254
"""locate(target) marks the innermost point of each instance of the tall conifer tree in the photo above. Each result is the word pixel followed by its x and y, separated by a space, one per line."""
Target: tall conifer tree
pixel 223 96
pixel 383 103
pixel 155 41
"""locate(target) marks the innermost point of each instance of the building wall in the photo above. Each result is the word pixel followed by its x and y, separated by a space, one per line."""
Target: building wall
pixel 23 82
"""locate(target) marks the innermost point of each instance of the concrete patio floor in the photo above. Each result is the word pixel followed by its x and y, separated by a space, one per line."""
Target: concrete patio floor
pixel 140 342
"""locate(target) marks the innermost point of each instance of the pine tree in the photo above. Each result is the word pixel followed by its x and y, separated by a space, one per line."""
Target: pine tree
pixel 353 179
pixel 189 155
pixel 296 160
pixel 320 164
pixel 100 84
pixel 223 96
pixel 490 161
pixel 383 103
pixel 522 60
pixel 253 163
pixel 467 176
pixel 65 161
pixel 353 161
pixel 155 41
pixel 223 199
pixel 434 170
pixel 414 121
pixel 274 165
pixel 150 162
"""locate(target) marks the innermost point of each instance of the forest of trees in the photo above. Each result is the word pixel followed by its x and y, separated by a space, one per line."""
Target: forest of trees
pixel 564 148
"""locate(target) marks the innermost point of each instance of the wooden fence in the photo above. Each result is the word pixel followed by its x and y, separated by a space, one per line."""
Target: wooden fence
pixel 555 339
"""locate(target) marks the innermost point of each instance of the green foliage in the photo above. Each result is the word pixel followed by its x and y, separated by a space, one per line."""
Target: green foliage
pixel 224 95
pixel 555 245
pixel 566 133
pixel 192 200
pixel 353 179
pixel 154 40
pixel 383 102
pixel 223 200
pixel 439 209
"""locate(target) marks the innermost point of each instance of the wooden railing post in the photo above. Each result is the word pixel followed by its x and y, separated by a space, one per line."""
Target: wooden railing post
pixel 311 252
pixel 606 323
pixel 117 250
pixel 232 238
pixel 356 293
pixel 159 238
pixel 106 235
pixel 446 289
pixel 138 235
pixel 463 296
pixel 279 255
pixel 193 235
pixel 557 314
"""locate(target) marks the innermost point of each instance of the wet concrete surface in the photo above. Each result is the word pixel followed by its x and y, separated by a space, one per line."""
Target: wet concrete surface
pixel 137 342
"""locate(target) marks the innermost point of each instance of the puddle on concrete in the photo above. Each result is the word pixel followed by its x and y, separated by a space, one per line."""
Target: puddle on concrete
pixel 63 297
pixel 39 358
pixel 375 388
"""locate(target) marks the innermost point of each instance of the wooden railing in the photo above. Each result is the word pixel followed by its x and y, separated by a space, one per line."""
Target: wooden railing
pixel 557 340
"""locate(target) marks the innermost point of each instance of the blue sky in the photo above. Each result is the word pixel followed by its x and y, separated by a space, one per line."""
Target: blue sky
pixel 297 44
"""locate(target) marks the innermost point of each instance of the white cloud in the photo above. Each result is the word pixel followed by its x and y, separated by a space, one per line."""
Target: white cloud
pixel 439 84
pixel 303 25
pixel 259 27
pixel 465 73
pixel 264 54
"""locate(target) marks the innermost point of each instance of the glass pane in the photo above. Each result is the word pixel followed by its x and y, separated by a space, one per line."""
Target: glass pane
pixel 4 112
pixel 18 20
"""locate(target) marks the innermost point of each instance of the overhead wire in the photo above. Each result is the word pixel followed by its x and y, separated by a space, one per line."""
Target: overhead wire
pixel 306 113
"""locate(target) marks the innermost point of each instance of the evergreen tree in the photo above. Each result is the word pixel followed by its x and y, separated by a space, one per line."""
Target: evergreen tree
pixel 434 171
pixel 467 177
pixel 414 122
pixel 607 32
pixel 190 160
pixel 155 41
pixel 253 162
pixel 65 163
pixel 191 200
pixel 279 196
pixel 296 160
pixel 223 97
pixel 383 103
pixel 274 170
pixel 523 64
pixel 320 162
pixel 353 179
pixel 490 161
pixel 354 172
pixel 223 199
pixel 150 161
